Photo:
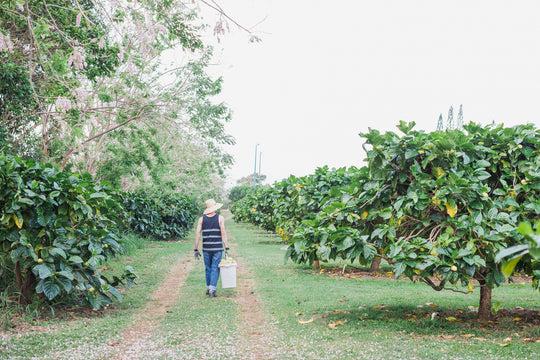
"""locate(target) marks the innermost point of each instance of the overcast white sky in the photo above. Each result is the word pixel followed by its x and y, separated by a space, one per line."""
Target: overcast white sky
pixel 327 70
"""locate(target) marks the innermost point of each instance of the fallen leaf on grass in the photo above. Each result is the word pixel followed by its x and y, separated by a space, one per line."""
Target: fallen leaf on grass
pixel 338 311
pixel 336 323
pixel 431 304
pixel 517 319
pixel 342 300
pixel 305 321
pixel 448 337
pixel 505 344
pixel 467 335
pixel 480 338
pixel 299 313
pixel 452 319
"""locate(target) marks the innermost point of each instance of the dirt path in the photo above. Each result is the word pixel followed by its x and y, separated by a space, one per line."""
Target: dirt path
pixel 135 337
pixel 256 333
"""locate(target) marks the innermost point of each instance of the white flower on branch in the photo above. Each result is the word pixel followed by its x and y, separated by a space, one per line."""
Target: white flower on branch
pixel 63 104
pixel 161 28
pixel 5 43
pixel 78 20
pixel 80 93
pixel 77 60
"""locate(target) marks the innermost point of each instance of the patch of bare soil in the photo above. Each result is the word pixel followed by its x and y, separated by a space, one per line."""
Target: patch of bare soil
pixel 135 337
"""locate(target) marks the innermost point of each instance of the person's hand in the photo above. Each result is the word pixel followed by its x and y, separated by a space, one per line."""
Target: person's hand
pixel 227 252
pixel 197 254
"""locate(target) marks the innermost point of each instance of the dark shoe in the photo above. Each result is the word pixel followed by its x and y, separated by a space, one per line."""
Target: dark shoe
pixel 207 292
pixel 212 293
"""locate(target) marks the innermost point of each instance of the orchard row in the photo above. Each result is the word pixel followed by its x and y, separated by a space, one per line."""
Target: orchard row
pixel 438 206
pixel 57 227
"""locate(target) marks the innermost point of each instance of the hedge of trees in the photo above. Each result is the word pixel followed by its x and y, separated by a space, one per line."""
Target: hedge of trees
pixel 57 228
pixel 438 206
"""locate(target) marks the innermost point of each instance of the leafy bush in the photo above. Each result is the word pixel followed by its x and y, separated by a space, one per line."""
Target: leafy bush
pixel 439 206
pixel 56 227
pixel 237 193
pixel 160 218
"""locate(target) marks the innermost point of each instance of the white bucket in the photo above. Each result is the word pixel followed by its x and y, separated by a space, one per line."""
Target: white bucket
pixel 228 275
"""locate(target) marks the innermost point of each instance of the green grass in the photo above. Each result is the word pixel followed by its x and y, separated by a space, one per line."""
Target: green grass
pixel 375 318
pixel 87 334
pixel 381 317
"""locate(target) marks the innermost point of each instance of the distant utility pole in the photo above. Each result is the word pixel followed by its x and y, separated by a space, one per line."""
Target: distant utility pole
pixel 255 167
pixel 255 179
pixel 259 177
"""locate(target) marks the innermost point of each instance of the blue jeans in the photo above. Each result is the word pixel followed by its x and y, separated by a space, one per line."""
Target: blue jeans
pixel 211 262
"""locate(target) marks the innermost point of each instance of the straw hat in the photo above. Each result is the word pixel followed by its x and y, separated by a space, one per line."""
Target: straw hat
pixel 211 206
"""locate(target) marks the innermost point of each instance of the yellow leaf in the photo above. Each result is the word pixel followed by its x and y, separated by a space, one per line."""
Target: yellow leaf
pixel 305 321
pixel 452 319
pixel 505 344
pixel 439 172
pixel 334 324
pixel 451 210
pixel 364 214
pixel 480 338
pixel 378 307
pixel 470 286
pixel 467 335
pixel 19 224
pixel 517 319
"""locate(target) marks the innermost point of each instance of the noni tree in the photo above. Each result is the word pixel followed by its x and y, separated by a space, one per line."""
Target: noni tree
pixel 439 206
pixel 55 229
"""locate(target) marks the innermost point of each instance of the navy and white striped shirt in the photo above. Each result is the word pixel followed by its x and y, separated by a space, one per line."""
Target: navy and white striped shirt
pixel 211 234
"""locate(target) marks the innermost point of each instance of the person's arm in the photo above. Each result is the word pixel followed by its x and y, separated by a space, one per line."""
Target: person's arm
pixel 198 233
pixel 223 231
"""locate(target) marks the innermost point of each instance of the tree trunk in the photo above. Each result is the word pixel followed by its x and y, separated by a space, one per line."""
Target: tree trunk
pixel 316 264
pixel 484 308
pixel 24 284
pixel 375 265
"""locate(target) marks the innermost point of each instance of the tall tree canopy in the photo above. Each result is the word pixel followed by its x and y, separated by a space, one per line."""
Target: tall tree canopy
pixel 116 88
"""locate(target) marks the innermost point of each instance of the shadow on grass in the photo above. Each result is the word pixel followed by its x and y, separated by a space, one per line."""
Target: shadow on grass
pixel 434 320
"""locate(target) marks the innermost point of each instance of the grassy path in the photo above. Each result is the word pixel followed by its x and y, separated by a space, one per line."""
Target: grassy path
pixel 135 337
pixel 279 311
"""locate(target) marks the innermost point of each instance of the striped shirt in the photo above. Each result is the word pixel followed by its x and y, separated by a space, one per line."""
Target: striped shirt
pixel 211 234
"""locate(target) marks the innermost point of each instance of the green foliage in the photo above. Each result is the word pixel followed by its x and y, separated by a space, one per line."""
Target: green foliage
pixel 237 193
pixel 160 218
pixel 56 228
pixel 528 251
pixel 286 204
pixel 437 205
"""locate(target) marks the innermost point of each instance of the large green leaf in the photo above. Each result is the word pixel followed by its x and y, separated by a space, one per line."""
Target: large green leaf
pixel 51 289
